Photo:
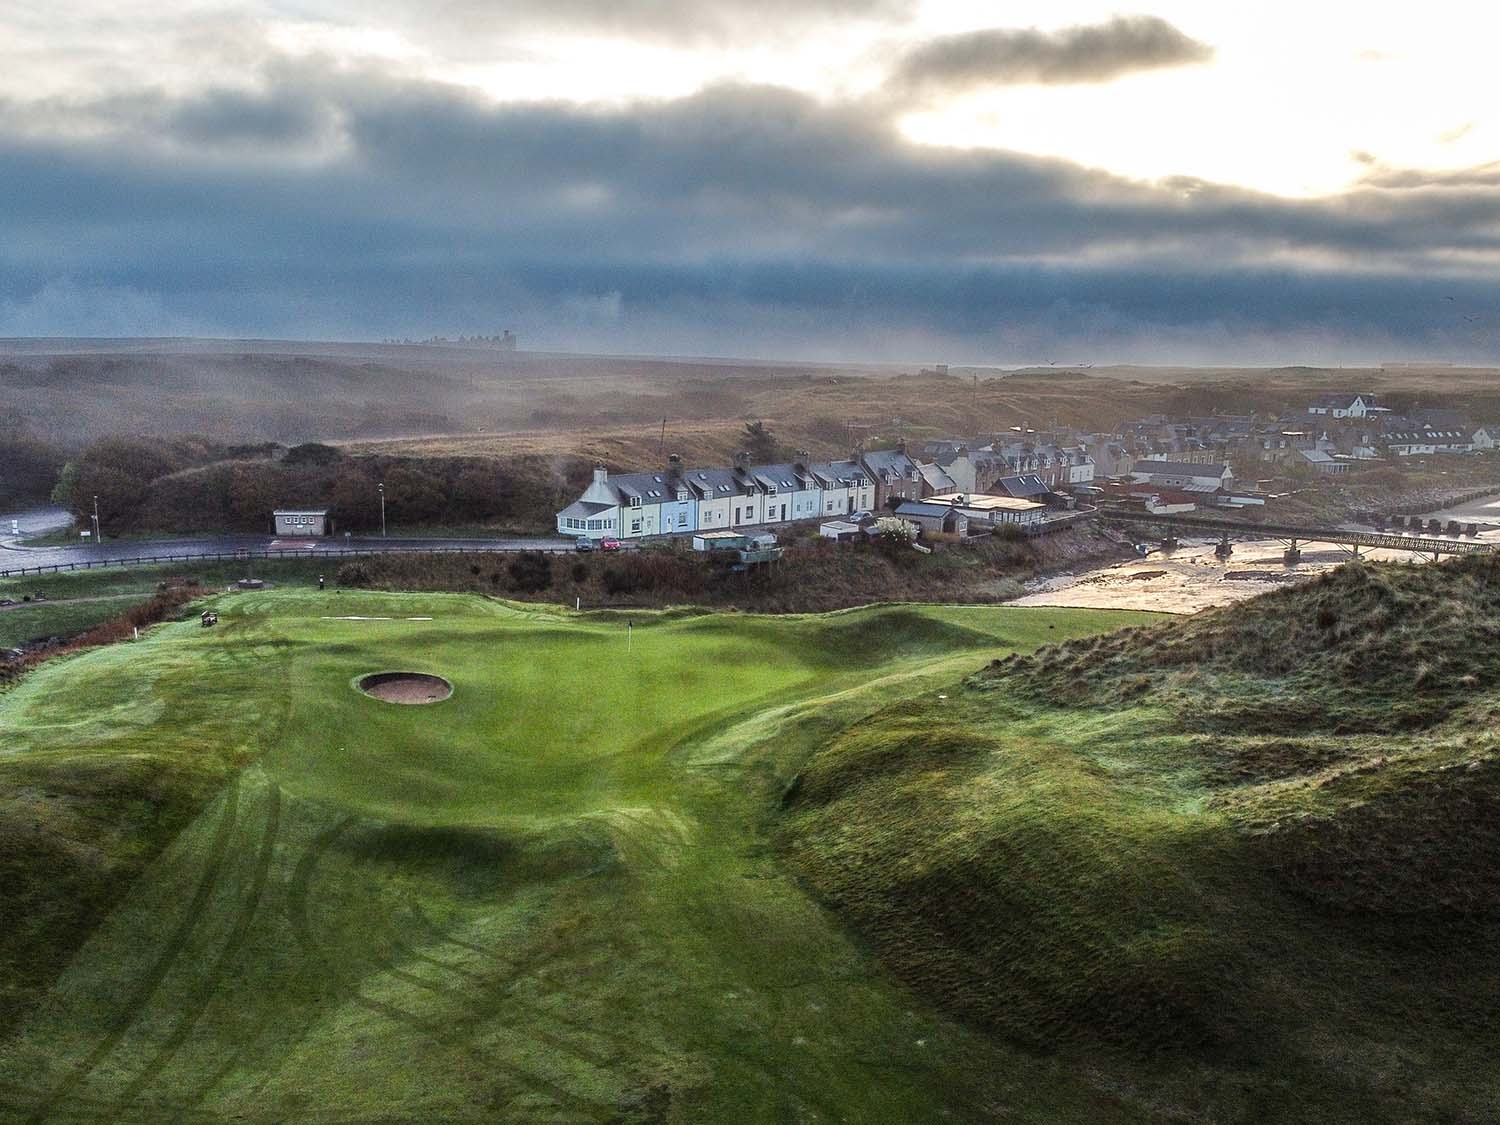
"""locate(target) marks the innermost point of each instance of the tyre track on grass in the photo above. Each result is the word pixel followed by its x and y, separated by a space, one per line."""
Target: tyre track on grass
pixel 238 934
pixel 523 970
pixel 147 986
pixel 298 895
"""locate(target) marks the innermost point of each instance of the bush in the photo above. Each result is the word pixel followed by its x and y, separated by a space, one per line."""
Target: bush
pixel 353 574
pixel 621 580
pixel 895 532
pixel 530 572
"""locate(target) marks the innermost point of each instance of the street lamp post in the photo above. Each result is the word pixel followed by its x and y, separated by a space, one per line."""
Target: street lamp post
pixel 382 509
pixel 96 519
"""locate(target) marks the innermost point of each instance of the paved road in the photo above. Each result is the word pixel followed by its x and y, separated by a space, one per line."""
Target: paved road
pixel 16 554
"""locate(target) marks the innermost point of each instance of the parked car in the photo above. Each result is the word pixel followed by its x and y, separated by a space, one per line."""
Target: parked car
pixel 609 543
pixel 583 544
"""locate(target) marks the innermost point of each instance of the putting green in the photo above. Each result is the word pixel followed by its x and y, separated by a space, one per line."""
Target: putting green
pixel 548 898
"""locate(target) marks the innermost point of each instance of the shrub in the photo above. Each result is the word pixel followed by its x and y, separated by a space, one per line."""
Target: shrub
pixel 530 572
pixel 353 574
pixel 895 532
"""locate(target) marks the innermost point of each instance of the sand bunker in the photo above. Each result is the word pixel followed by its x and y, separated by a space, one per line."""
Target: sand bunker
pixel 405 687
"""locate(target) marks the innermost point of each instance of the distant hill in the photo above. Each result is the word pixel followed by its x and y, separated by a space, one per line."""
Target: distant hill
pixel 1252 857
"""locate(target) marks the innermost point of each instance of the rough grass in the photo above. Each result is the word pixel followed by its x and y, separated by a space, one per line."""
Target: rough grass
pixel 25 623
pixel 1280 906
pixel 249 891
pixel 1359 648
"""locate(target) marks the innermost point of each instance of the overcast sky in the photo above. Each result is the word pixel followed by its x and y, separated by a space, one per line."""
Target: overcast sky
pixel 932 180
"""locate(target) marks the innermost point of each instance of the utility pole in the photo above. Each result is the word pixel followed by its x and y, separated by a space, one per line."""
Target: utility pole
pixel 96 519
pixel 382 509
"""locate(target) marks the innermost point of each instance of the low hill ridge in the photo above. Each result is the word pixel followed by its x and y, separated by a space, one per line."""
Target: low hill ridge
pixel 1261 844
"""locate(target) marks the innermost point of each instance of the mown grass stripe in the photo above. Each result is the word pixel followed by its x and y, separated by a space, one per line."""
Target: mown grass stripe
pixel 237 937
pixel 146 988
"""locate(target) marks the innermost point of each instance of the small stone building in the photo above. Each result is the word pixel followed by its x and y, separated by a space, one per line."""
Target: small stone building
pixel 301 522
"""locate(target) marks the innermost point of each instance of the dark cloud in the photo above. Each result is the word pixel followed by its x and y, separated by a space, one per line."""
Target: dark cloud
pixel 1005 56
pixel 742 219
pixel 236 117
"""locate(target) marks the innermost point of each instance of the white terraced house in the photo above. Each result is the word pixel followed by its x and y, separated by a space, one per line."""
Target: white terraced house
pixel 681 501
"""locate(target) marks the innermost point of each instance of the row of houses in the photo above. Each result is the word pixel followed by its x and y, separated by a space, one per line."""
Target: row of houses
pixel 1346 428
pixel 679 500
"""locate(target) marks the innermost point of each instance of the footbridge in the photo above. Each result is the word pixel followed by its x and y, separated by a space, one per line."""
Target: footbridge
pixel 1169 527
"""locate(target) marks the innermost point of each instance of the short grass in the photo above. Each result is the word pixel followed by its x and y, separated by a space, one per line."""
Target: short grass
pixel 242 889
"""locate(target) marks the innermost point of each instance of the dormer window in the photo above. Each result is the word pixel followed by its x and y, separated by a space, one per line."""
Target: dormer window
pixel 635 501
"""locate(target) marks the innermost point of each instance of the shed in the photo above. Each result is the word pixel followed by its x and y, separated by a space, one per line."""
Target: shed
pixel 720 541
pixel 301 522
pixel 839 530
pixel 936 518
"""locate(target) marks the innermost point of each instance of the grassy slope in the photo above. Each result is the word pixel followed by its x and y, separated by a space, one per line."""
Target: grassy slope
pixel 1249 858
pixel 549 897
pixel 22 623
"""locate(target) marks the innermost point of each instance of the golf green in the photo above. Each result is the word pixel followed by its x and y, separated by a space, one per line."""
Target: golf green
pixel 548 896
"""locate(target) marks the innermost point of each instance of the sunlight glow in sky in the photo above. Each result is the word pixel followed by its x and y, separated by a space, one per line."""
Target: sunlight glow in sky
pixel 730 174
pixel 1299 99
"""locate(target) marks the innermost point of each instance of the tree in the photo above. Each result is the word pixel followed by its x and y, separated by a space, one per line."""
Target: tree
pixel 760 442
pixel 255 491
pixel 414 496
pixel 312 453
pixel 28 469
pixel 477 494
pixel 354 501
pixel 119 471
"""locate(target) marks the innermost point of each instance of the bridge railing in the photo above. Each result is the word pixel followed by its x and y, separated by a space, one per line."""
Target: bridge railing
pixel 1303 533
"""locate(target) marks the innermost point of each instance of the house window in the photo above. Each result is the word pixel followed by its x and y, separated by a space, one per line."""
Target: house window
pixel 635 527
pixel 635 501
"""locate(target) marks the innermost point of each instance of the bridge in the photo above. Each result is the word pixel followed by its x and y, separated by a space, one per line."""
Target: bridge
pixel 1293 535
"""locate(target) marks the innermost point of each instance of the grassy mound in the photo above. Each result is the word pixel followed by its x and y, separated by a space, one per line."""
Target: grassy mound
pixel 1257 851
pixel 1358 649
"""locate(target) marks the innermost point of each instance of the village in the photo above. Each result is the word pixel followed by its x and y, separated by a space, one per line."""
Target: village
pixel 1024 480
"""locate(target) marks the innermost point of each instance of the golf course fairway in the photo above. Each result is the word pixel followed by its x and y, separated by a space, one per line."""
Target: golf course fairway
pixel 548 897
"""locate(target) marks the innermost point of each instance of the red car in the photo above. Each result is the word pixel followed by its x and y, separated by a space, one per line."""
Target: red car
pixel 609 543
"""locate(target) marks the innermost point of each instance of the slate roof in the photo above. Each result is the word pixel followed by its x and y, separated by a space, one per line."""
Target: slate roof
pixel 891 461
pixel 921 508
pixel 1178 469
pixel 936 478
pixel 1025 487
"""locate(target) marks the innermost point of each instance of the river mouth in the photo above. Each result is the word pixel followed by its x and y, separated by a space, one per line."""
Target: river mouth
pixel 410 688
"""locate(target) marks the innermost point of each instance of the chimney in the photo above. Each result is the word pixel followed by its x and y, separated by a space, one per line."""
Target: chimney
pixel 743 459
pixel 801 464
pixel 901 445
pixel 601 474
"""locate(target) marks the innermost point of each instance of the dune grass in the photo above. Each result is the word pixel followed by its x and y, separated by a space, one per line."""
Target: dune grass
pixel 244 889
pixel 1244 865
